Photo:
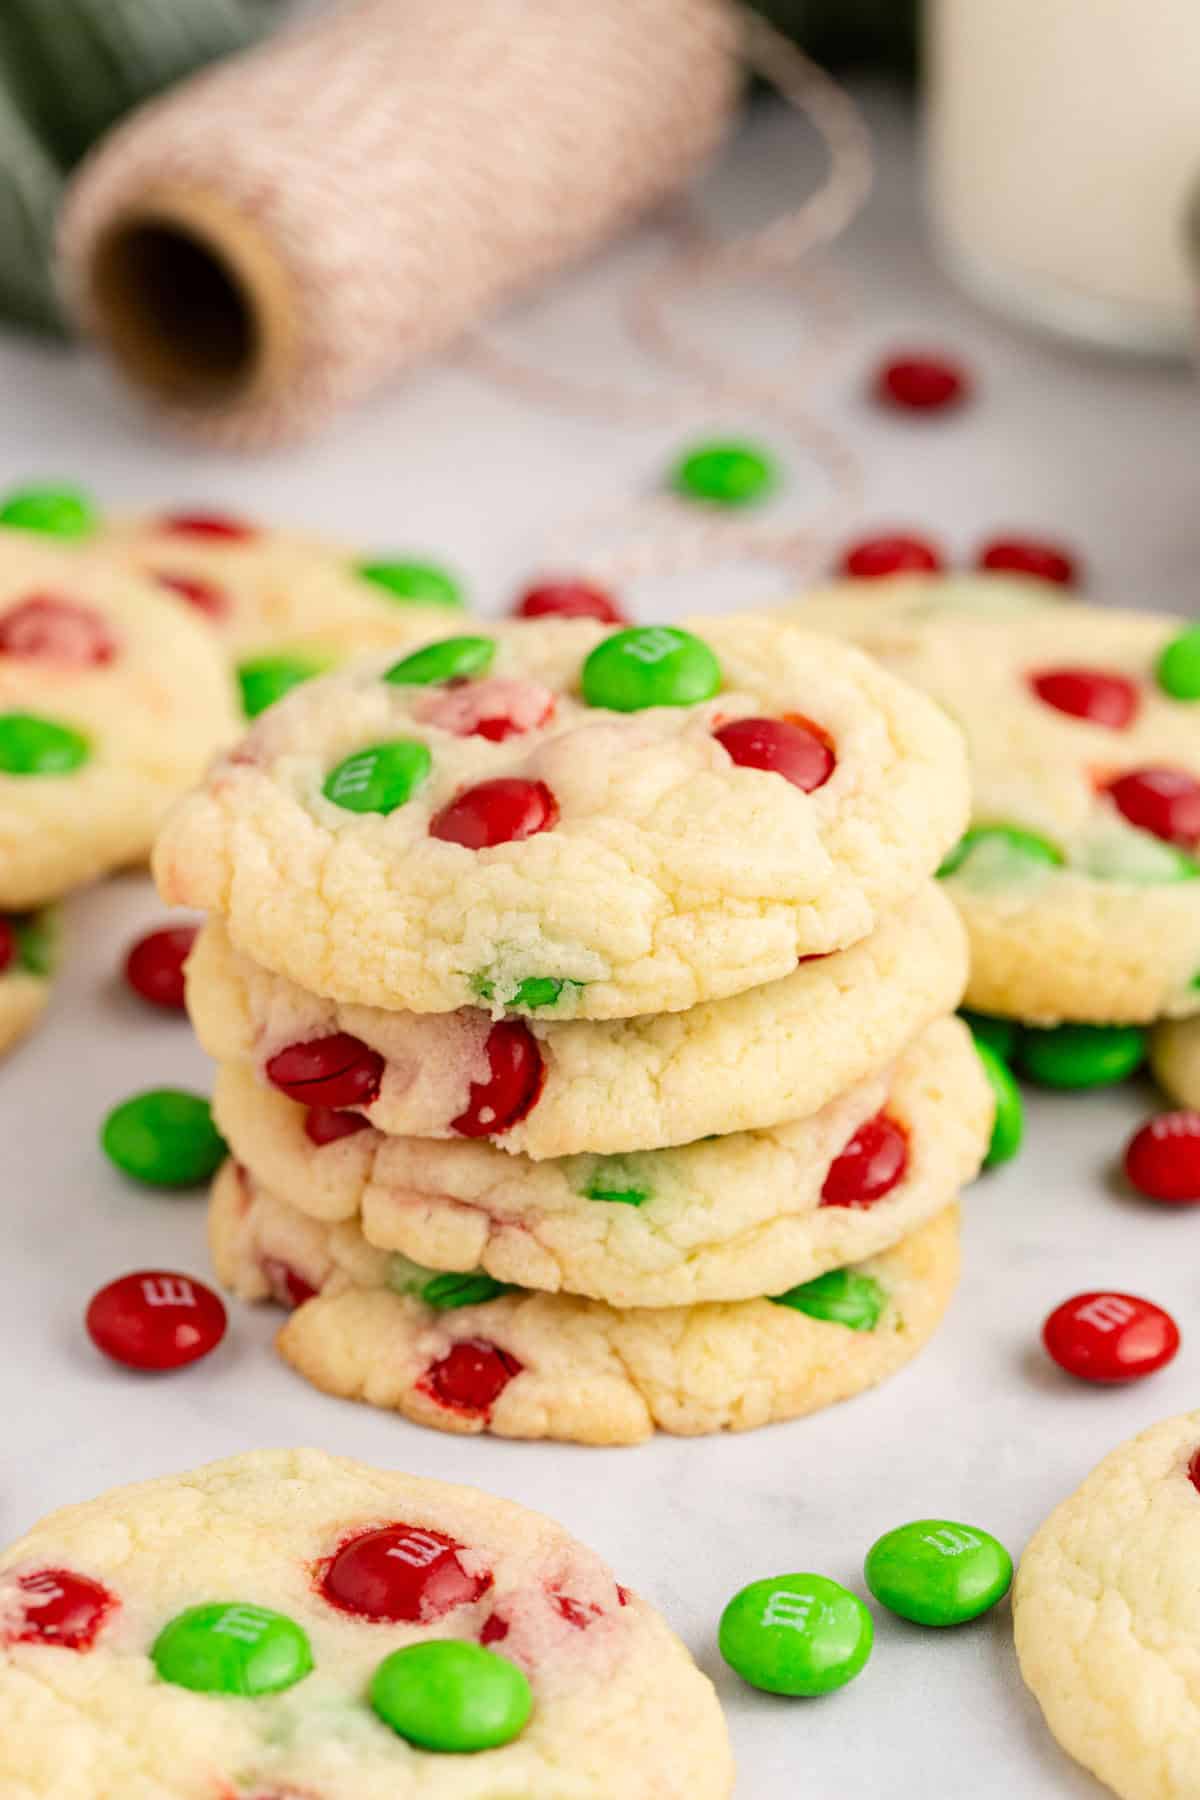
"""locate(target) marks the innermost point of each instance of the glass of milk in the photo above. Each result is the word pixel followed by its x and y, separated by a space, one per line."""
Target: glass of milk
pixel 1063 150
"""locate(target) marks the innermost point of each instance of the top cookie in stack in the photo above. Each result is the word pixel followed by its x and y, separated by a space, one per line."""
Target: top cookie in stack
pixel 649 916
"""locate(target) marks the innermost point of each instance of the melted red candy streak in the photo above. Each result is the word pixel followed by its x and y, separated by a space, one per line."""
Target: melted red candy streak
pixel 504 811
pixel 61 1608
pixel 8 944
pixel 516 1073
pixel 47 629
pixel 217 526
pixel 1092 694
pixel 338 1070
pixel 205 596
pixel 471 1377
pixel 1194 1470
pixel 788 747
pixel 287 1287
pixel 325 1125
pixel 870 1166
pixel 1162 1160
pixel 494 1630
pixel 579 1613
pixel 1165 802
pixel 402 1573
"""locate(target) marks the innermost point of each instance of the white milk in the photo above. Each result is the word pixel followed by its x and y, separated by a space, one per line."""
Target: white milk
pixel 1063 146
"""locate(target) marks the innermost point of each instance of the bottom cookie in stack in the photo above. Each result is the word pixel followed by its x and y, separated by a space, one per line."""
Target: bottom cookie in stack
pixel 1175 1060
pixel 27 959
pixel 462 1352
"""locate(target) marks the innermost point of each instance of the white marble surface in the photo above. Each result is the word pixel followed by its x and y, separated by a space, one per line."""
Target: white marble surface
pixel 982 1428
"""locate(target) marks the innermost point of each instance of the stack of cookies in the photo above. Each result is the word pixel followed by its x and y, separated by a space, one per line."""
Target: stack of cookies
pixel 1077 880
pixel 581 1000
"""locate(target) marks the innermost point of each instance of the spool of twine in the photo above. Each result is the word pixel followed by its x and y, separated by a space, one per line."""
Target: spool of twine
pixel 273 240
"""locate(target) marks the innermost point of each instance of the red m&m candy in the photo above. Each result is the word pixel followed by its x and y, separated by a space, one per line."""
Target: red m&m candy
pixel 471 1377
pixel 871 1165
pixel 1165 802
pixel 58 1607
pixel 503 811
pixel 216 526
pixel 325 1125
pixel 154 1319
pixel 9 943
pixel 1093 694
pixel 894 554
pixel 569 600
pixel 1162 1160
pixel 1030 556
pixel 405 1574
pixel 922 381
pixel 788 747
pixel 288 1287
pixel 338 1070
pixel 1109 1338
pixel 45 628
pixel 154 965
pixel 515 1075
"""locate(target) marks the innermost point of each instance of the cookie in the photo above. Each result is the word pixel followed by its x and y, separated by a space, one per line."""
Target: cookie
pixel 1076 878
pixel 1106 1613
pixel 621 1084
pixel 112 701
pixel 555 815
pixel 27 960
pixel 255 1629
pixel 721 1219
pixel 1175 1060
pixel 371 1327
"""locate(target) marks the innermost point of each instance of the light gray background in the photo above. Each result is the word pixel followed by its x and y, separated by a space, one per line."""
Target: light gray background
pixel 982 1428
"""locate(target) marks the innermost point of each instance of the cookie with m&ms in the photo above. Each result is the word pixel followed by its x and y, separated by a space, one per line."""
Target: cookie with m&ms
pixel 1077 876
pixel 720 1219
pixel 28 954
pixel 1106 1613
pixel 288 1625
pixel 112 702
pixel 462 1352
pixel 637 820
pixel 553 1089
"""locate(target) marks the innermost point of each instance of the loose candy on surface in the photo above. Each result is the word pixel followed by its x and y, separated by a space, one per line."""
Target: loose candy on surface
pixel 566 599
pixel 938 1572
pixel 452 1697
pixel 154 965
pixel 921 382
pixel 1162 1159
pixel 725 474
pixel 1108 1337
pixel 800 1635
pixel 155 1320
pixel 1081 1056
pixel 891 554
pixel 164 1137
pixel 1031 557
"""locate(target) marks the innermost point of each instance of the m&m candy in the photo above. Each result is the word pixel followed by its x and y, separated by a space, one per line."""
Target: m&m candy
pixel 164 1137
pixel 504 811
pixel 1162 801
pixel 796 1634
pixel 452 1697
pixel 379 778
pixel 1098 695
pixel 405 1574
pixel 31 745
pixel 232 1648
pixel 570 600
pixel 58 1607
pixel 337 1070
pixel 922 381
pixel 1162 1160
pixel 266 679
pixel 725 474
pixel 1178 668
pixel 449 659
pixel 894 553
pixel 1030 556
pixel 869 1166
pixel 64 512
pixel 1081 1056
pixel 650 665
pixel 938 1572
pixel 1109 1338
pixel 155 1319
pixel 155 964
pixel 1008 1124
pixel 413 583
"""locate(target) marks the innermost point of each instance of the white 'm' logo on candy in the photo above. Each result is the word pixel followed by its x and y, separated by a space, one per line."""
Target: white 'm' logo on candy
pixel 245 1623
pixel 652 645
pixel 951 1543
pixel 1107 1312
pixel 418 1549
pixel 168 1290
pixel 356 775
pixel 789 1610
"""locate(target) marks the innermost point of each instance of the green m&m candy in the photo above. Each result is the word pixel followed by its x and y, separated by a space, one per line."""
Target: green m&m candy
pixel 1178 667
pixel 64 512
pixel 650 665
pixel 451 1696
pixel 725 474
pixel 446 1293
pixel 164 1138
pixel 37 941
pixel 230 1648
pixel 936 1572
pixel 413 583
pixel 1008 1126
pixel 535 993
pixel 30 745
pixel 266 679
pixel 379 778
pixel 1081 1056
pixel 612 1180
pixel 841 1296
pixel 797 1634
pixel 449 659
pixel 1000 1035
pixel 993 855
